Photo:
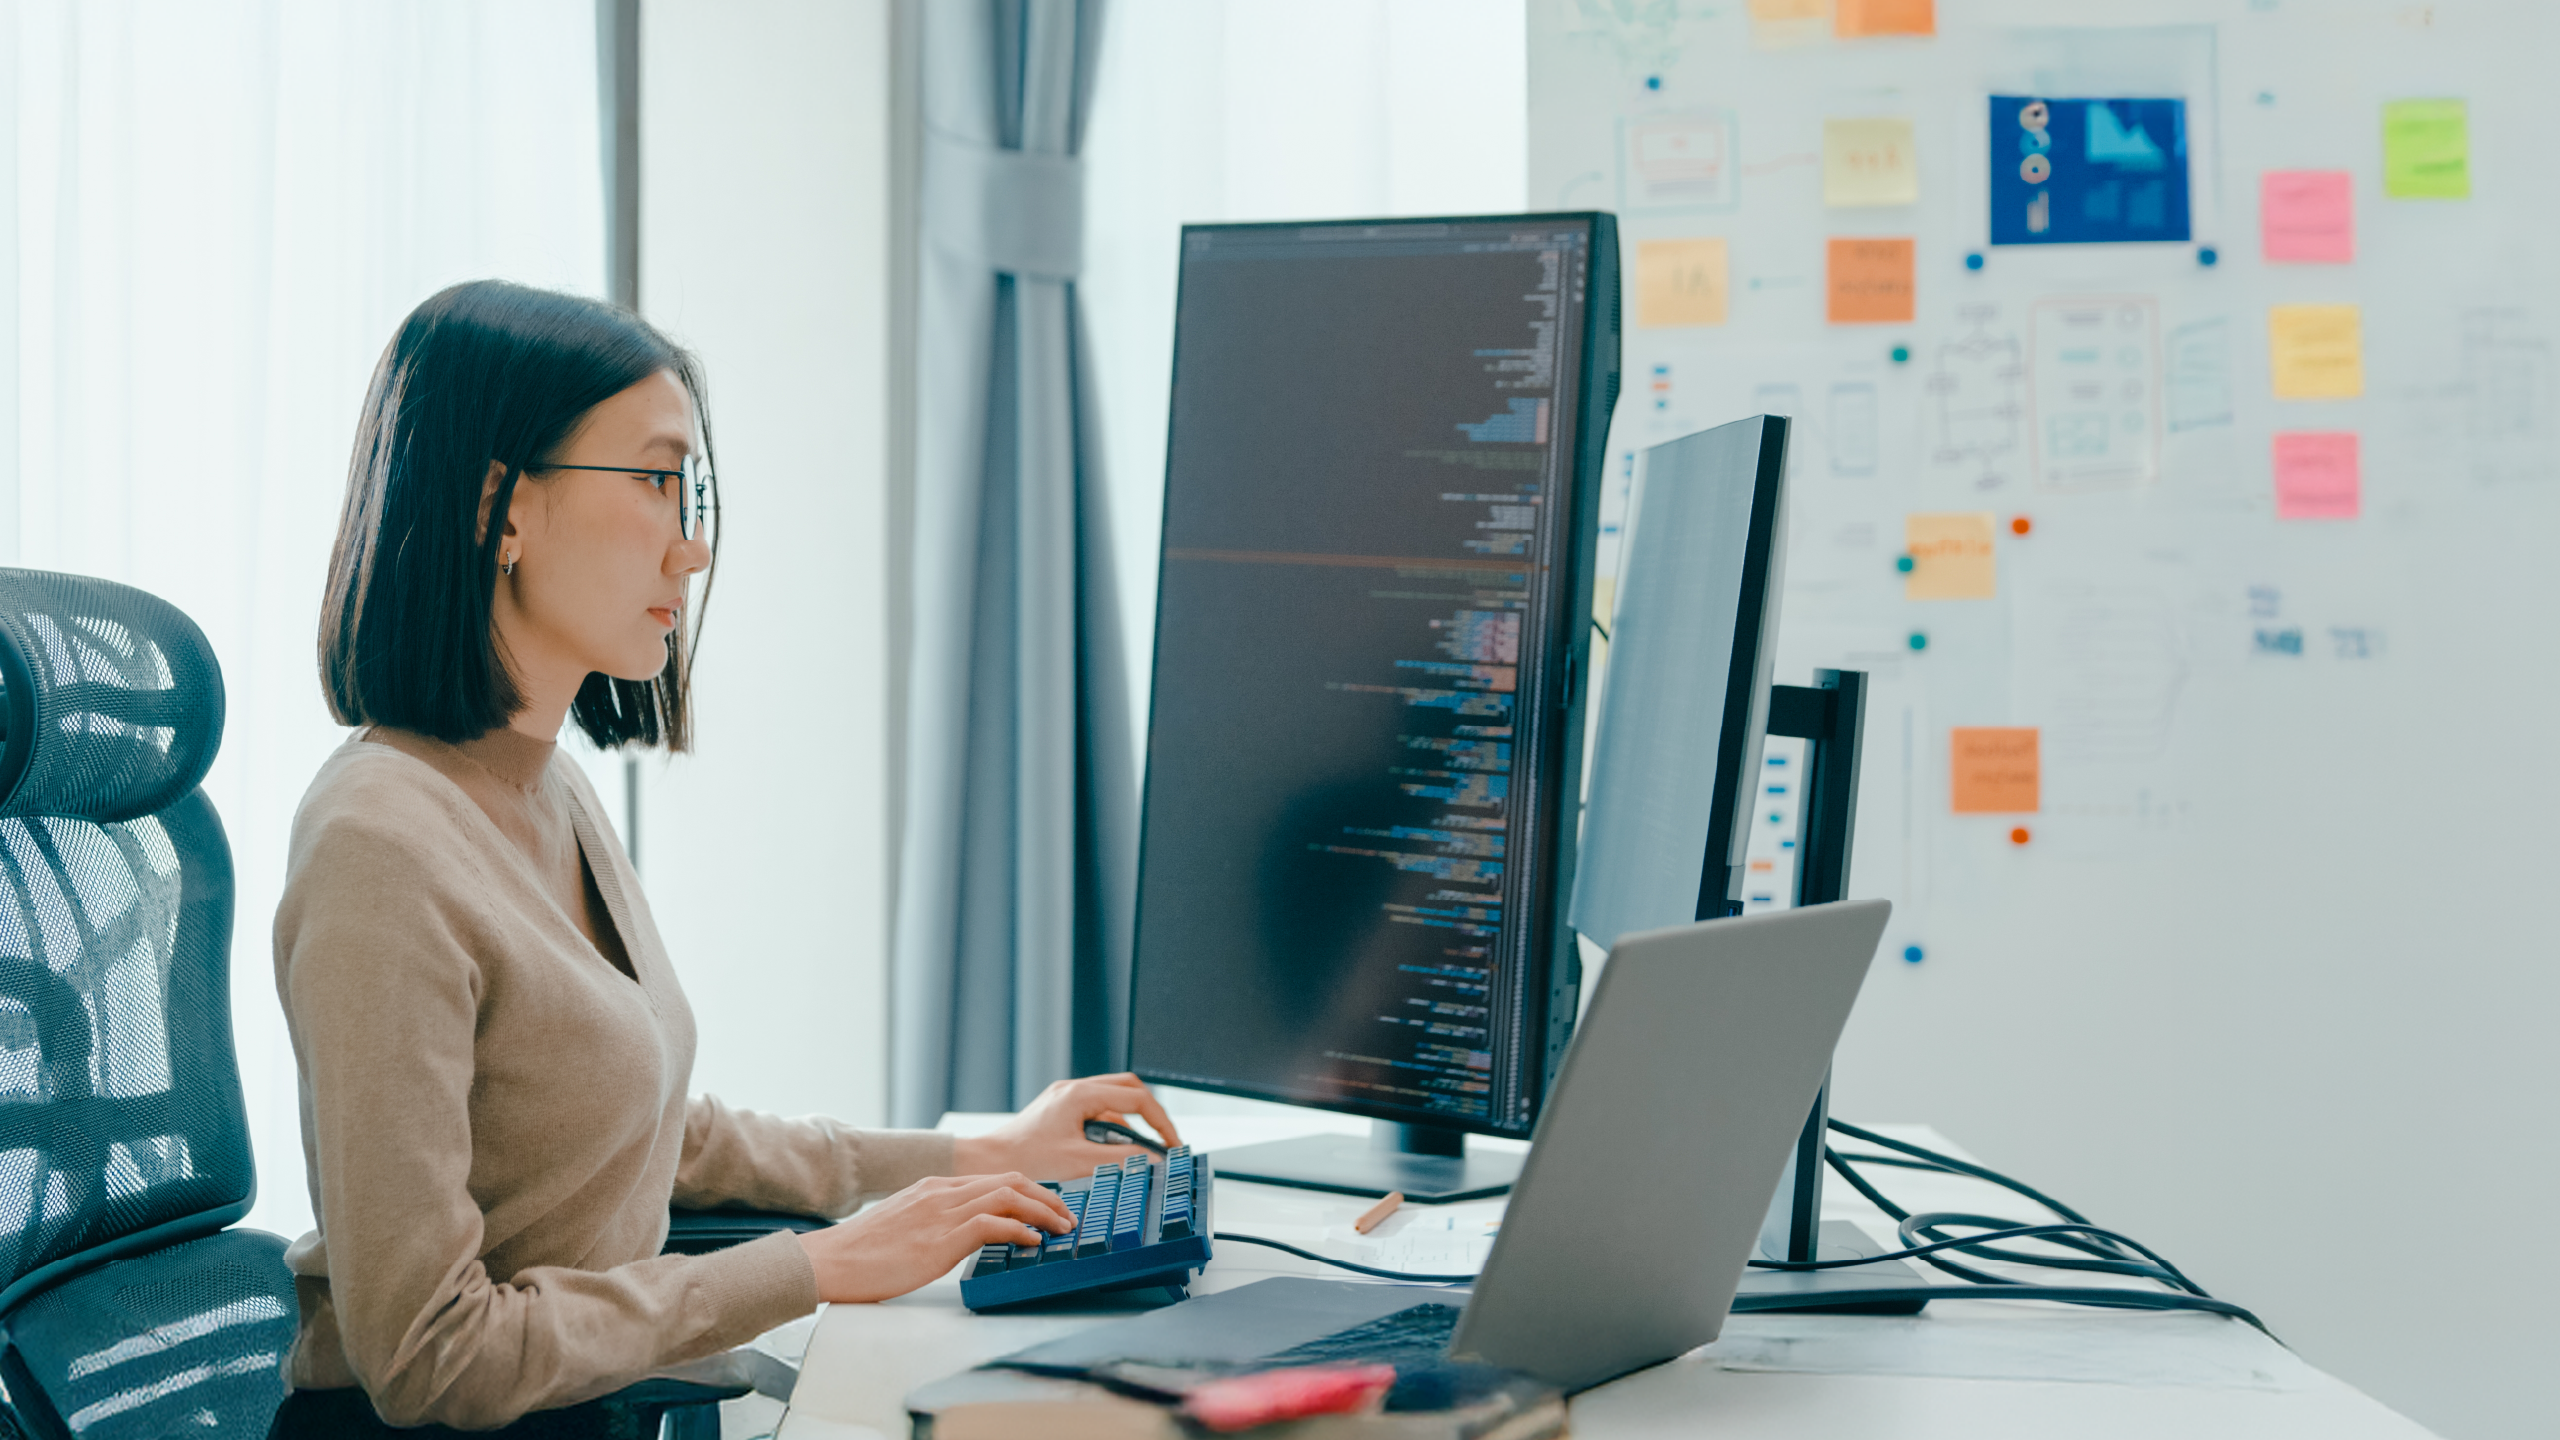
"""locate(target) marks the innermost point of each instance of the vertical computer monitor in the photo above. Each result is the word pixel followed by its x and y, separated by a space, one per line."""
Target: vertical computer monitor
pixel 1684 702
pixel 1364 744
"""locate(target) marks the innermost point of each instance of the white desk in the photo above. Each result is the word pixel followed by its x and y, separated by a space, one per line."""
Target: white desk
pixel 1973 1369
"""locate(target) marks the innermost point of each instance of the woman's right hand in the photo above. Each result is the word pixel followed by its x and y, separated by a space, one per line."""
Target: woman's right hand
pixel 915 1236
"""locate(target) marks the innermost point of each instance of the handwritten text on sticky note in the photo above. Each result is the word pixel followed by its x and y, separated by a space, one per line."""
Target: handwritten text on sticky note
pixel 2319 475
pixel 1681 282
pixel 2316 351
pixel 2426 150
pixel 2307 217
pixel 1868 160
pixel 1870 281
pixel 1951 556
pixel 1996 770
pixel 1857 18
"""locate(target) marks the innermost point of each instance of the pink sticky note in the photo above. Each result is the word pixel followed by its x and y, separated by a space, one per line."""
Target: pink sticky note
pixel 2307 217
pixel 2318 476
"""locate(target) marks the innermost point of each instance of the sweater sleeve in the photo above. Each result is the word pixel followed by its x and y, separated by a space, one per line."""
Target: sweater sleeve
pixel 809 1166
pixel 382 995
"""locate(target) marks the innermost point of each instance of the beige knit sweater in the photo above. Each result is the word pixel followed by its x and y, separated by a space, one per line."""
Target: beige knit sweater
pixel 494 1111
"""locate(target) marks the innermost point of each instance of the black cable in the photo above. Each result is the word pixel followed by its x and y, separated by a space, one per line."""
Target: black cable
pixel 2152 1266
pixel 1961 1167
pixel 2163 1271
pixel 2109 1255
pixel 1603 629
pixel 2114 1251
pixel 1345 1264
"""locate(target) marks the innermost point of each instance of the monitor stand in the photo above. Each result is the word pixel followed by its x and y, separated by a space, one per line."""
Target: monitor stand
pixel 1427 1164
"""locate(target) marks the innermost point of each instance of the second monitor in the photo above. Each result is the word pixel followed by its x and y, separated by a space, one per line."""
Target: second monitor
pixel 1364 749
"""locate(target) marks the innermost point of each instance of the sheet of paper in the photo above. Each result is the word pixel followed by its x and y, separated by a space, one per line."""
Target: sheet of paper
pixel 2307 217
pixel 2426 150
pixel 2199 382
pixel 1995 770
pixel 1861 18
pixel 1870 281
pixel 1951 556
pixel 2319 475
pixel 1681 282
pixel 2316 351
pixel 2093 390
pixel 2087 172
pixel 1869 160
pixel 1782 24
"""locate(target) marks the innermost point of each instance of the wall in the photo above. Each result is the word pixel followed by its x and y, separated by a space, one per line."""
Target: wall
pixel 765 246
pixel 2265 984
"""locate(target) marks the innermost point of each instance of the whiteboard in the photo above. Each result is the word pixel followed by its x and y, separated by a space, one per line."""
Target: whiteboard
pixel 2261 974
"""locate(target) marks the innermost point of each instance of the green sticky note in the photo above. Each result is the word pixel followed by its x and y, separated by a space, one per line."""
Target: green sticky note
pixel 2426 150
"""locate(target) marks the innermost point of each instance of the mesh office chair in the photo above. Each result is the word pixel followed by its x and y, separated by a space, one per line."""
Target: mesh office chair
pixel 127 1305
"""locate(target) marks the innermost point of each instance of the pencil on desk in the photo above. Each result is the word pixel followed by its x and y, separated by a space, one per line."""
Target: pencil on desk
pixel 1376 1215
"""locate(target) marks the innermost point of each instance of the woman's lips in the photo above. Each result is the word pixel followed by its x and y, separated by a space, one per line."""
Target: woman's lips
pixel 666 615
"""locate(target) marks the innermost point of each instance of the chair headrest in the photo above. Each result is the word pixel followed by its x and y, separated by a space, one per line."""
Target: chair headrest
pixel 113 700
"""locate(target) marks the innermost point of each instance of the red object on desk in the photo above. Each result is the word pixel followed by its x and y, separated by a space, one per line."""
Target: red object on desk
pixel 1244 1401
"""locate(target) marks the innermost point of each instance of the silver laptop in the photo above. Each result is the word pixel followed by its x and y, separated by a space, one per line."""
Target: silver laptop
pixel 1652 1168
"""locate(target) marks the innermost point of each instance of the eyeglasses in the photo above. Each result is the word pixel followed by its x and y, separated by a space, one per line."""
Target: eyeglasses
pixel 696 513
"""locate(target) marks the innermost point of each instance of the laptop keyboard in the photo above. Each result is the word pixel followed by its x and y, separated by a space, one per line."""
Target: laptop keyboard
pixel 1417 1331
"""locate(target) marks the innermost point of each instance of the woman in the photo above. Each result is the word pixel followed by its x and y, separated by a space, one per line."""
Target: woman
pixel 492 1045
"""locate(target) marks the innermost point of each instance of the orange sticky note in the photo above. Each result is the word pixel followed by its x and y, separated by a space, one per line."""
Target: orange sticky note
pixel 1951 557
pixel 2307 217
pixel 2316 351
pixel 1858 18
pixel 1870 281
pixel 2319 475
pixel 1996 771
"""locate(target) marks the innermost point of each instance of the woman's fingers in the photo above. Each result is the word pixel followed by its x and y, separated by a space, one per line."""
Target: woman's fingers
pixel 1046 1211
pixel 1126 1093
pixel 985 1229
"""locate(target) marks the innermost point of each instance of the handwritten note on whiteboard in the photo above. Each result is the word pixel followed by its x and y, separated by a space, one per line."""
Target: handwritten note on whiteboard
pixel 1870 281
pixel 2307 217
pixel 1996 770
pixel 2426 150
pixel 1858 19
pixel 2316 351
pixel 1681 282
pixel 1869 160
pixel 2319 475
pixel 1951 556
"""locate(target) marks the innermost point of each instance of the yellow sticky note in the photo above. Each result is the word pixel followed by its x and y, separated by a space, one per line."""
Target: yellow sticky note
pixel 1778 24
pixel 1681 282
pixel 1869 162
pixel 1996 770
pixel 1858 18
pixel 2426 150
pixel 2316 351
pixel 1951 557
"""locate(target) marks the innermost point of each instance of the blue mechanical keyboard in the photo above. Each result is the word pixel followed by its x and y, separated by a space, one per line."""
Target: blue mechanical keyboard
pixel 1138 1223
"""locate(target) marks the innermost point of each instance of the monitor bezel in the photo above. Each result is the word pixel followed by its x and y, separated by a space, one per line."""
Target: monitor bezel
pixel 1555 1002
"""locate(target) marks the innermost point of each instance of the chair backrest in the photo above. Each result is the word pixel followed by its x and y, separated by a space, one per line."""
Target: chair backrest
pixel 121 1123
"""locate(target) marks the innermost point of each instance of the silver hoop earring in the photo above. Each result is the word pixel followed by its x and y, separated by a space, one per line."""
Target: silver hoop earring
pixel 508 568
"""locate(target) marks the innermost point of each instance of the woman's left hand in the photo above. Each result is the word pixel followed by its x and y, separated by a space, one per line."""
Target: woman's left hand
pixel 1046 1140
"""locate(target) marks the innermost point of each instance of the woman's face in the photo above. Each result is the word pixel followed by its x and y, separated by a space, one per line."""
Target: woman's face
pixel 601 563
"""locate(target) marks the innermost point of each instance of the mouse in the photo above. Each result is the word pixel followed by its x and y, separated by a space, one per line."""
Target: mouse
pixel 1106 1132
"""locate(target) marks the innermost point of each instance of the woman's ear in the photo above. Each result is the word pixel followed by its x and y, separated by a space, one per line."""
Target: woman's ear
pixel 489 484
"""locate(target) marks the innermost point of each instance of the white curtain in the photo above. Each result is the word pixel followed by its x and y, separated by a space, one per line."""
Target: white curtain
pixel 221 210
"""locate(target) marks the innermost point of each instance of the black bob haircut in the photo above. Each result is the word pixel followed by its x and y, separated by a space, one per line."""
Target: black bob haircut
pixel 482 371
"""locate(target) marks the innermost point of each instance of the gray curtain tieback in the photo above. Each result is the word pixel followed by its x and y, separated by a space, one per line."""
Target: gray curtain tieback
pixel 1012 211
